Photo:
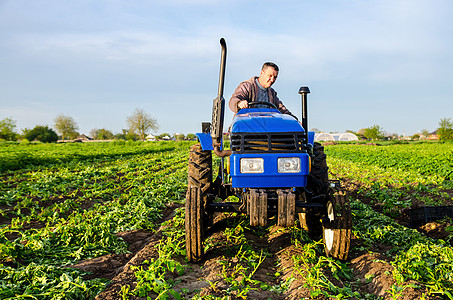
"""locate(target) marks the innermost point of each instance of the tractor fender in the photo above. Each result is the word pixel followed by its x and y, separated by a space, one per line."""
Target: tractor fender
pixel 311 137
pixel 205 141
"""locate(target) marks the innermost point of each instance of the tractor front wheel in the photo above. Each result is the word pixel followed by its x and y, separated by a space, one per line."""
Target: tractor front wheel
pixel 337 226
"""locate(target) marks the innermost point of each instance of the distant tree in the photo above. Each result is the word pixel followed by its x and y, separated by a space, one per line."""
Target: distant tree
pixel 179 136
pixel 25 131
pixel 66 126
pixel 445 131
pixel 361 134
pixel 42 133
pixel 7 129
pixel 122 135
pixel 374 132
pixel 415 137
pixel 191 137
pixel 140 122
pixel 126 135
pixel 73 135
pixel 425 133
pixel 163 136
pixel 101 134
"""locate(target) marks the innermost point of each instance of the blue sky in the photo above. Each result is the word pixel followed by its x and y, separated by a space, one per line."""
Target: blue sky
pixel 384 62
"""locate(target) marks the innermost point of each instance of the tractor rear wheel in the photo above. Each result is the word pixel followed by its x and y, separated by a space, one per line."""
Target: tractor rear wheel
pixel 318 180
pixel 337 226
pixel 318 184
pixel 199 184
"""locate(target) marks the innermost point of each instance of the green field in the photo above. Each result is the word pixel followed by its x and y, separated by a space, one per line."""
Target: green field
pixel 64 203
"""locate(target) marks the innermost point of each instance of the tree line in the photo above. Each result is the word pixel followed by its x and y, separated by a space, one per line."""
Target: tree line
pixel 139 125
pixel 376 132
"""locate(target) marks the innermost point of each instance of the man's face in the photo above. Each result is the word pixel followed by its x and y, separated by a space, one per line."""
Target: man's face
pixel 268 77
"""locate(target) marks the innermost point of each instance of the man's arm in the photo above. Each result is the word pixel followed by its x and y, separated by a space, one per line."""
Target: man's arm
pixel 242 93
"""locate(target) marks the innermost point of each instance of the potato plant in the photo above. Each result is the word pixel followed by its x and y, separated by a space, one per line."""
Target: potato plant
pixel 61 204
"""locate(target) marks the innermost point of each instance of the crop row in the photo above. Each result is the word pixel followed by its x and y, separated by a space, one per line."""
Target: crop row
pixel 61 213
pixel 426 264
pixel 426 159
pixel 415 257
pixel 391 190
pixel 29 155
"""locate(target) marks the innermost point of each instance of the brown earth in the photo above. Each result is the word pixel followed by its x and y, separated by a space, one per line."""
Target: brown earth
pixel 371 268
pixel 441 229
pixel 372 272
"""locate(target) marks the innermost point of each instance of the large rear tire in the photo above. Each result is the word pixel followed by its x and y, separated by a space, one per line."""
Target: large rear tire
pixel 338 226
pixel 199 184
pixel 318 179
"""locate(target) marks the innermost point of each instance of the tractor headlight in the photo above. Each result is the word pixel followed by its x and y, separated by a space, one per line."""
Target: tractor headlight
pixel 252 165
pixel 288 165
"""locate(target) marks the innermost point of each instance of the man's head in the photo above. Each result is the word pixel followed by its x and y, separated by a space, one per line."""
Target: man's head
pixel 268 75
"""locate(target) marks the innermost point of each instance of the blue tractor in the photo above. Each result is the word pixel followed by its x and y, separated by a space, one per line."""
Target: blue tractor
pixel 273 167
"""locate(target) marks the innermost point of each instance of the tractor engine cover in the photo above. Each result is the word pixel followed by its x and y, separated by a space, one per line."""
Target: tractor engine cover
pixel 268 150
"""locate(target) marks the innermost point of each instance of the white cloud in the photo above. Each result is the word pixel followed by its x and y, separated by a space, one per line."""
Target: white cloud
pixel 130 53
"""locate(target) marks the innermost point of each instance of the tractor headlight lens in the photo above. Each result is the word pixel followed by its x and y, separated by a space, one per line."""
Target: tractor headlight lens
pixel 252 165
pixel 288 165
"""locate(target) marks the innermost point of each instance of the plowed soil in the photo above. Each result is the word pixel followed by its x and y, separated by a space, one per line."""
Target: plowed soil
pixel 371 268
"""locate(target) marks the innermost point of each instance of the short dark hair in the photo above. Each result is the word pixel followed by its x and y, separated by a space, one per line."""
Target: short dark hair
pixel 270 64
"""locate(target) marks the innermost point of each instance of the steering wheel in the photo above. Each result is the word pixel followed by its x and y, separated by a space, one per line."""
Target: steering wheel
pixel 254 103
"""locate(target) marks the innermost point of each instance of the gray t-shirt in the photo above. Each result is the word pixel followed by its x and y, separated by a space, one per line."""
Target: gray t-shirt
pixel 262 95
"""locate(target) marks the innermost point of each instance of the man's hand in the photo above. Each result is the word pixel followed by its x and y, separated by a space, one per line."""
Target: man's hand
pixel 243 104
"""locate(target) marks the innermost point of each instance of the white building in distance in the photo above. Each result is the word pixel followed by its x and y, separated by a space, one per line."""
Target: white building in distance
pixel 339 137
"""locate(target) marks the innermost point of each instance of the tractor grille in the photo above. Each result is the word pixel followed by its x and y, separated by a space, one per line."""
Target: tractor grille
pixel 271 142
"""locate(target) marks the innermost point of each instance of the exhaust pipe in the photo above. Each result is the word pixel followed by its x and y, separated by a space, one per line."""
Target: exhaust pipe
pixel 218 108
pixel 304 91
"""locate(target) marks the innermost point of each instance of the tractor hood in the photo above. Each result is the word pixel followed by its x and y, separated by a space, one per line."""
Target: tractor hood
pixel 264 120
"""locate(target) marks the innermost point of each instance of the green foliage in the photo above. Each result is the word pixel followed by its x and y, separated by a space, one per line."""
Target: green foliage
pixel 418 258
pixel 7 130
pixel 163 136
pixel 141 123
pixel 191 137
pixel 66 126
pixel 374 132
pixel 424 158
pixel 415 137
pixel 46 282
pixel 23 156
pixel 425 133
pixel 428 263
pixel 179 137
pixel 83 194
pixel 153 279
pixel 42 133
pixel 101 134
pixel 392 177
pixel 81 205
pixel 312 266
pixel 445 130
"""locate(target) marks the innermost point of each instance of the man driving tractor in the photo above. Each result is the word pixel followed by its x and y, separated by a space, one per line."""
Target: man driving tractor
pixel 258 89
